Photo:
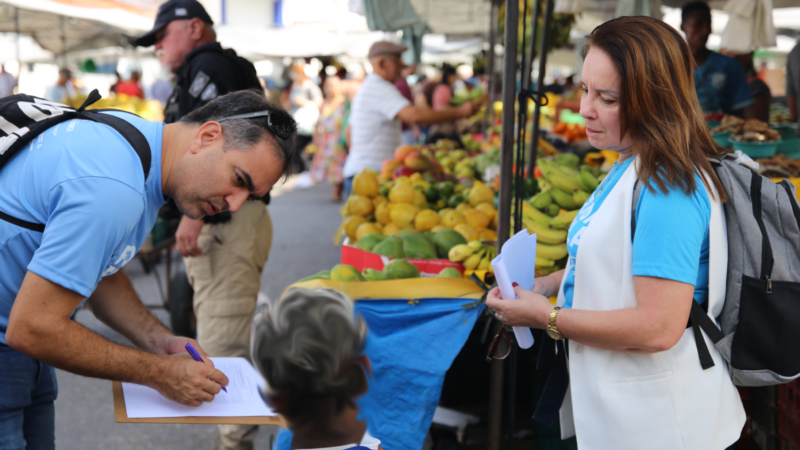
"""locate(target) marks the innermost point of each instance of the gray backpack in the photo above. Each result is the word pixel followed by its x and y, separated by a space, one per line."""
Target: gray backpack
pixel 760 335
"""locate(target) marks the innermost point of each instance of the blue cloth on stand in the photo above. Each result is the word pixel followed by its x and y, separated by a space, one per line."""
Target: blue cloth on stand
pixel 411 346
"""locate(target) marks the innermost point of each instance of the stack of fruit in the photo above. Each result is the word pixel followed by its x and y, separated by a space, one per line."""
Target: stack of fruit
pixel 412 244
pixel 475 255
pixel 565 187
pixel 412 203
pixel 437 162
pixel 396 270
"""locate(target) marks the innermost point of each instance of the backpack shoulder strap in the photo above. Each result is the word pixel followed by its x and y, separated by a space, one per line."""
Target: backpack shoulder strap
pixel 637 191
pixel 131 134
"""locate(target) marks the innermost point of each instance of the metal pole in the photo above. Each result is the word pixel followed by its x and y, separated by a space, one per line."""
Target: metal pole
pixel 16 31
pixel 490 57
pixel 504 211
pixel 63 40
pixel 545 44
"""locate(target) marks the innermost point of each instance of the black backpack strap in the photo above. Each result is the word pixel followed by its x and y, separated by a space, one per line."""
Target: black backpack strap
pixel 131 134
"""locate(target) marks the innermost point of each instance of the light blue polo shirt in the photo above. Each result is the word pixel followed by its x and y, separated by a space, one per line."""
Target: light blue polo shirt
pixel 86 183
pixel 671 239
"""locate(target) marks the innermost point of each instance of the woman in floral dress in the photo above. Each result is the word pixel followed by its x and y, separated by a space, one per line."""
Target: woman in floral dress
pixel 331 153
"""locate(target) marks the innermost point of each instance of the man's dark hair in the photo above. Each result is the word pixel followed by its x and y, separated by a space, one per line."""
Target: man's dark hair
pixel 243 133
pixel 694 7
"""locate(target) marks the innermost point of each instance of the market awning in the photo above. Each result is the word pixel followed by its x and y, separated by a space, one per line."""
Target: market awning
pixel 59 25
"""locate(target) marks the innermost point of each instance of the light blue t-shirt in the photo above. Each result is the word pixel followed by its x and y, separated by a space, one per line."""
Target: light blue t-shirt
pixel 85 182
pixel 671 239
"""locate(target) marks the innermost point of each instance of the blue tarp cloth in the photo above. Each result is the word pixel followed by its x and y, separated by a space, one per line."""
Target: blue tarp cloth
pixel 411 345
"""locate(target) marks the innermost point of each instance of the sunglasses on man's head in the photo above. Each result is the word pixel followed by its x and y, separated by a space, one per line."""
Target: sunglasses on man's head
pixel 282 130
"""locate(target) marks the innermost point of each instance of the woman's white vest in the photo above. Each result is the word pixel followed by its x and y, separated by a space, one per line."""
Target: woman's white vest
pixel 638 401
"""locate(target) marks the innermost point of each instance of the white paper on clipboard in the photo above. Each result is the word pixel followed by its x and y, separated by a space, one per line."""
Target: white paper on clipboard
pixel 517 263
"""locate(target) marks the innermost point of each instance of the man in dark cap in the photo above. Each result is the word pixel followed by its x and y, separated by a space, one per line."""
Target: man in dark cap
pixel 224 254
pixel 379 108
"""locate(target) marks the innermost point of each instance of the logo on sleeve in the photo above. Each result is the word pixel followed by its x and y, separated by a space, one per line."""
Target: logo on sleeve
pixel 124 258
pixel 200 81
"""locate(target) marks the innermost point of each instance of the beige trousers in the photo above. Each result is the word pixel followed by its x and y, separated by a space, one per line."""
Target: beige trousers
pixel 226 279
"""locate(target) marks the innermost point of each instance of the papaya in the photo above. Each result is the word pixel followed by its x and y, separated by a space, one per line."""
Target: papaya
pixel 373 275
pixel 391 247
pixel 447 239
pixel 450 272
pixel 346 273
pixel 400 269
pixel 368 242
pixel 418 247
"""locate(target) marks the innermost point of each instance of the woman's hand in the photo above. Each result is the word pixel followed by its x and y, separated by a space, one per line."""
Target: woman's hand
pixel 529 310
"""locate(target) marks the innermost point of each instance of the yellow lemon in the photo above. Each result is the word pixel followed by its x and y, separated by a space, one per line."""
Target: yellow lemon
pixel 469 232
pixel 426 220
pixel 402 193
pixel 402 180
pixel 443 212
pixel 487 235
pixel 416 176
pixel 359 205
pixel 480 193
pixel 366 184
pixel 382 214
pixel 391 229
pixel 453 218
pixel 351 224
pixel 477 219
pixel 464 207
pixel 367 228
pixel 488 209
pixel 402 214
pixel 419 200
pixel 379 200
pixel 438 228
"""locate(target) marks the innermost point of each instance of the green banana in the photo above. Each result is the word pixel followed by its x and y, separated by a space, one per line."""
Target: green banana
pixel 544 185
pixel 554 252
pixel 533 213
pixel 472 262
pixel 580 197
pixel 563 221
pixel 552 210
pixel 544 262
pixel 566 183
pixel 588 181
pixel 545 234
pixel 485 264
pixel 569 170
pixel 563 199
pixel 475 245
pixel 542 200
pixel 567 159
pixel 460 252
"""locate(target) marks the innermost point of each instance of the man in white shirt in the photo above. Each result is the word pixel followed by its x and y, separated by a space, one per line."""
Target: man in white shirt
pixel 7 83
pixel 379 108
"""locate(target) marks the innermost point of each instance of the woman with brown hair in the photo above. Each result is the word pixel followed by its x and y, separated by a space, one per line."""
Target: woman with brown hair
pixel 635 379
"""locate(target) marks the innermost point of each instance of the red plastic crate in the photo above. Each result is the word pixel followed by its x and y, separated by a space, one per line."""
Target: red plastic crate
pixel 788 430
pixel 361 260
pixel 789 399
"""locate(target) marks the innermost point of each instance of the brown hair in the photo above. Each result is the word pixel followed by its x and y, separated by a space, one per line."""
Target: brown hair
pixel 659 109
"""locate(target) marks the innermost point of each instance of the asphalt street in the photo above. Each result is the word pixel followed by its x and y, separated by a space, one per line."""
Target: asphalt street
pixel 304 222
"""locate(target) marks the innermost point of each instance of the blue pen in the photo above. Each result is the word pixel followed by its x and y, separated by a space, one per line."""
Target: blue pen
pixel 197 357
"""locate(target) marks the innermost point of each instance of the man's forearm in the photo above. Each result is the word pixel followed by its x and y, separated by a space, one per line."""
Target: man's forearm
pixel 430 116
pixel 116 304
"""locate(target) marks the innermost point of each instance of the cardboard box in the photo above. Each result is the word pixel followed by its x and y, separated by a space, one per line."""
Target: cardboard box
pixel 361 260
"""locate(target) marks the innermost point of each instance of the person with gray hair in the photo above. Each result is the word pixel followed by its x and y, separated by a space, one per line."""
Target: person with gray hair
pixel 309 347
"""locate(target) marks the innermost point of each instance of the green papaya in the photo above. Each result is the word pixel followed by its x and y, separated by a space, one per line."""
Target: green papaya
pixel 368 242
pixel 391 247
pixel 346 273
pixel 450 272
pixel 400 269
pixel 447 239
pixel 373 275
pixel 418 247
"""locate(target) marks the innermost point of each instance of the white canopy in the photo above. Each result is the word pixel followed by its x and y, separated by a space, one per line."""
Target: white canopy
pixel 77 25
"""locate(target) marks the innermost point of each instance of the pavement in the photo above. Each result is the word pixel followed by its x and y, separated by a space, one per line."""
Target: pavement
pixel 304 222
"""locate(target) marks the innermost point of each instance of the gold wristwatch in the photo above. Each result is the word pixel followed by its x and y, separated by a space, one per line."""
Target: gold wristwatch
pixel 552 329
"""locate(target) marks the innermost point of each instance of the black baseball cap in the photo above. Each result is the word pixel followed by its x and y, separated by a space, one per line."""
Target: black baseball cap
pixel 173 10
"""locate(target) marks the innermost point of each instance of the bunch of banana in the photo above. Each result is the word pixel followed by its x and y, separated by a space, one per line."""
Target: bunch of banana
pixel 474 256
pixel 569 185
